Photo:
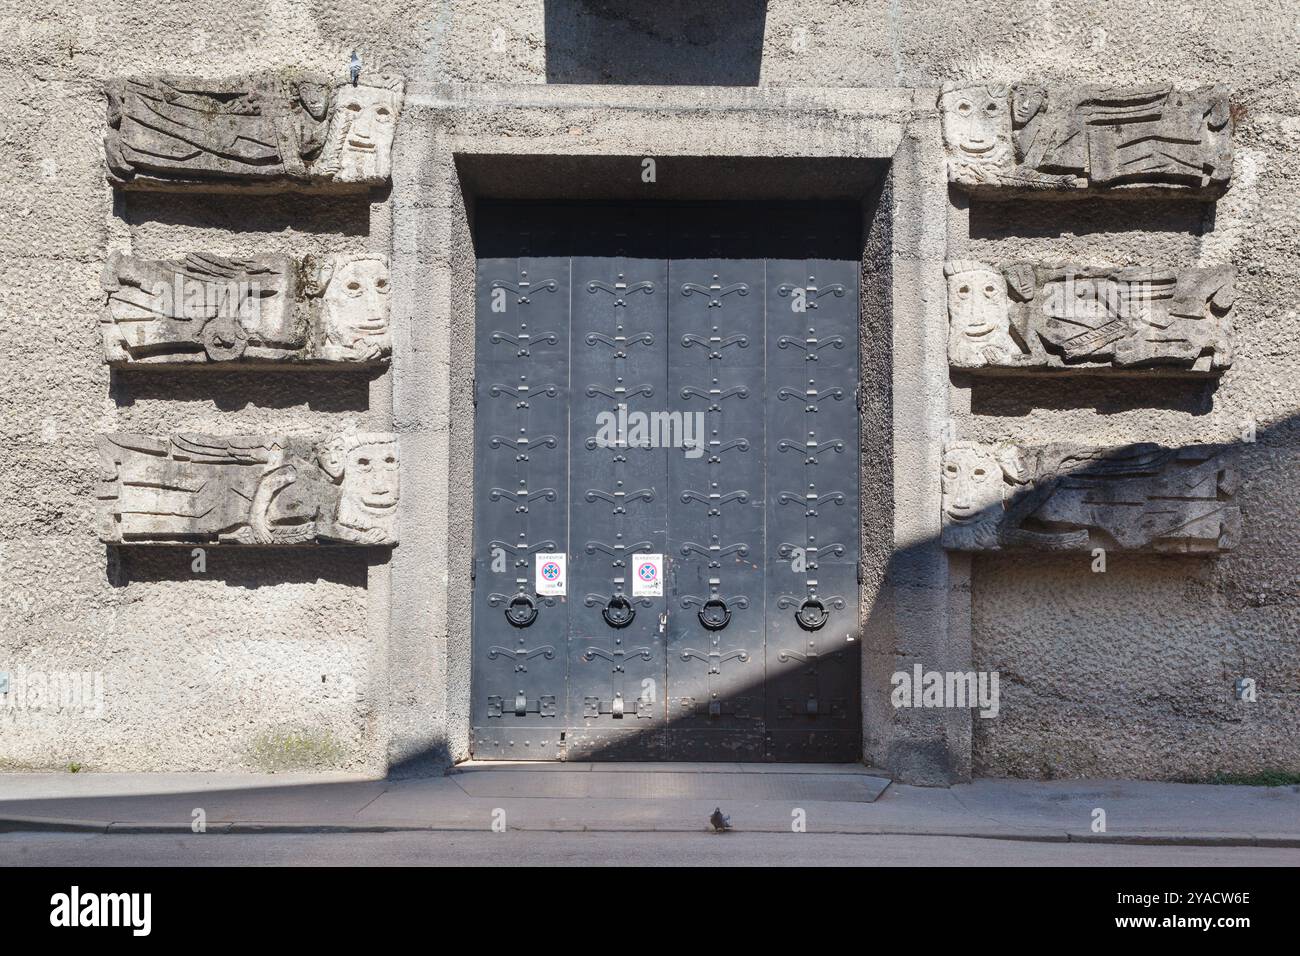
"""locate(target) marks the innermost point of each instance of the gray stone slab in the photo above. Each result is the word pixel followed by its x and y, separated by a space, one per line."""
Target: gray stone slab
pixel 248 490
pixel 1092 137
pixel 814 768
pixel 1062 497
pixel 1075 318
pixel 257 311
pixel 661 785
pixel 261 132
pixel 540 766
pixel 683 767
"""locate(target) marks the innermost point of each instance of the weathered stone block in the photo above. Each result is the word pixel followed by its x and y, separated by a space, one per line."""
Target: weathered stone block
pixel 266 309
pixel 1073 317
pixel 1065 497
pixel 266 132
pixel 1025 137
pixel 259 490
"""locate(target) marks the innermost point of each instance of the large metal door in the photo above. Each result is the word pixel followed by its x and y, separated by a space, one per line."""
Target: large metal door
pixel 717 345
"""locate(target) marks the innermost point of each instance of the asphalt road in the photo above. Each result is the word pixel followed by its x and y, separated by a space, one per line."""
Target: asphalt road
pixel 599 849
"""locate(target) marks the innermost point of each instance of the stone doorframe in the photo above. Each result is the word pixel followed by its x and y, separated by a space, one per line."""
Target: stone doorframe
pixel 878 147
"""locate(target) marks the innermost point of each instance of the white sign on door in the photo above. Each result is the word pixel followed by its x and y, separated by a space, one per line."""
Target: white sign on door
pixel 551 574
pixel 647 575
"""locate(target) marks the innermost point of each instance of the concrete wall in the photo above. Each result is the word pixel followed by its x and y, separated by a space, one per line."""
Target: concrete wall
pixel 305 660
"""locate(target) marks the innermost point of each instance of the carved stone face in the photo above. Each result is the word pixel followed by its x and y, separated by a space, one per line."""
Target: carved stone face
pixel 314 99
pixel 354 313
pixel 361 135
pixel 977 305
pixel 971 483
pixel 368 497
pixel 977 122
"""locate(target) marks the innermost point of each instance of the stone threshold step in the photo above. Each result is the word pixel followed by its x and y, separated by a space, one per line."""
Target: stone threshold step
pixel 636 766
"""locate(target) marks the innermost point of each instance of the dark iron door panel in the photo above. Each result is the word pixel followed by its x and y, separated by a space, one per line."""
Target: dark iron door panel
pixel 666 391
pixel 715 525
pixel 617 492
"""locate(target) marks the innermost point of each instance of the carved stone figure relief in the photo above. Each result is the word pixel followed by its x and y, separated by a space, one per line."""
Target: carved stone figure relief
pixel 265 309
pixel 979 328
pixel 1063 498
pixel 977 132
pixel 1075 317
pixel 268 132
pixel 1093 137
pixel 261 490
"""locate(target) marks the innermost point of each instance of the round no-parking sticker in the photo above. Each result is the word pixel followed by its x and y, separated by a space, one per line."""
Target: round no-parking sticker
pixel 551 577
pixel 647 575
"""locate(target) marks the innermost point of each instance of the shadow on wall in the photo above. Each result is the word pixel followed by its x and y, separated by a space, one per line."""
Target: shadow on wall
pixel 914 751
pixel 330 217
pixel 339 392
pixel 918 746
pixel 246 568
pixel 1172 220
pixel 1106 395
pixel 665 43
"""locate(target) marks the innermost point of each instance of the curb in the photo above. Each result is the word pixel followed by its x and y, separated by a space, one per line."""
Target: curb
pixel 51 825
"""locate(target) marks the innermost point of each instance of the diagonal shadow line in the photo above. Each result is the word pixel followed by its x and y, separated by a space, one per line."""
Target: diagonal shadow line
pixel 1021 505
pixel 173 808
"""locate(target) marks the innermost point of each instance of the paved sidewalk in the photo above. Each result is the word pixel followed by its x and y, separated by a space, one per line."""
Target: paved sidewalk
pixel 652 798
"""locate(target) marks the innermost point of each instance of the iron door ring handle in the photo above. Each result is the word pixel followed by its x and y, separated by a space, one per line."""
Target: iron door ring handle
pixel 521 611
pixel 714 614
pixel 812 614
pixel 618 612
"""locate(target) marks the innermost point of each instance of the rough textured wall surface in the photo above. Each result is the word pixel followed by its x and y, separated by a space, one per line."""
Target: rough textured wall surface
pixel 262 661
pixel 277 662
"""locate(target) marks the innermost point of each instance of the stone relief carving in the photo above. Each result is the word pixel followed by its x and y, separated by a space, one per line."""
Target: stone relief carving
pixel 1075 317
pixel 268 132
pixel 1064 497
pixel 1094 137
pixel 266 309
pixel 261 490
